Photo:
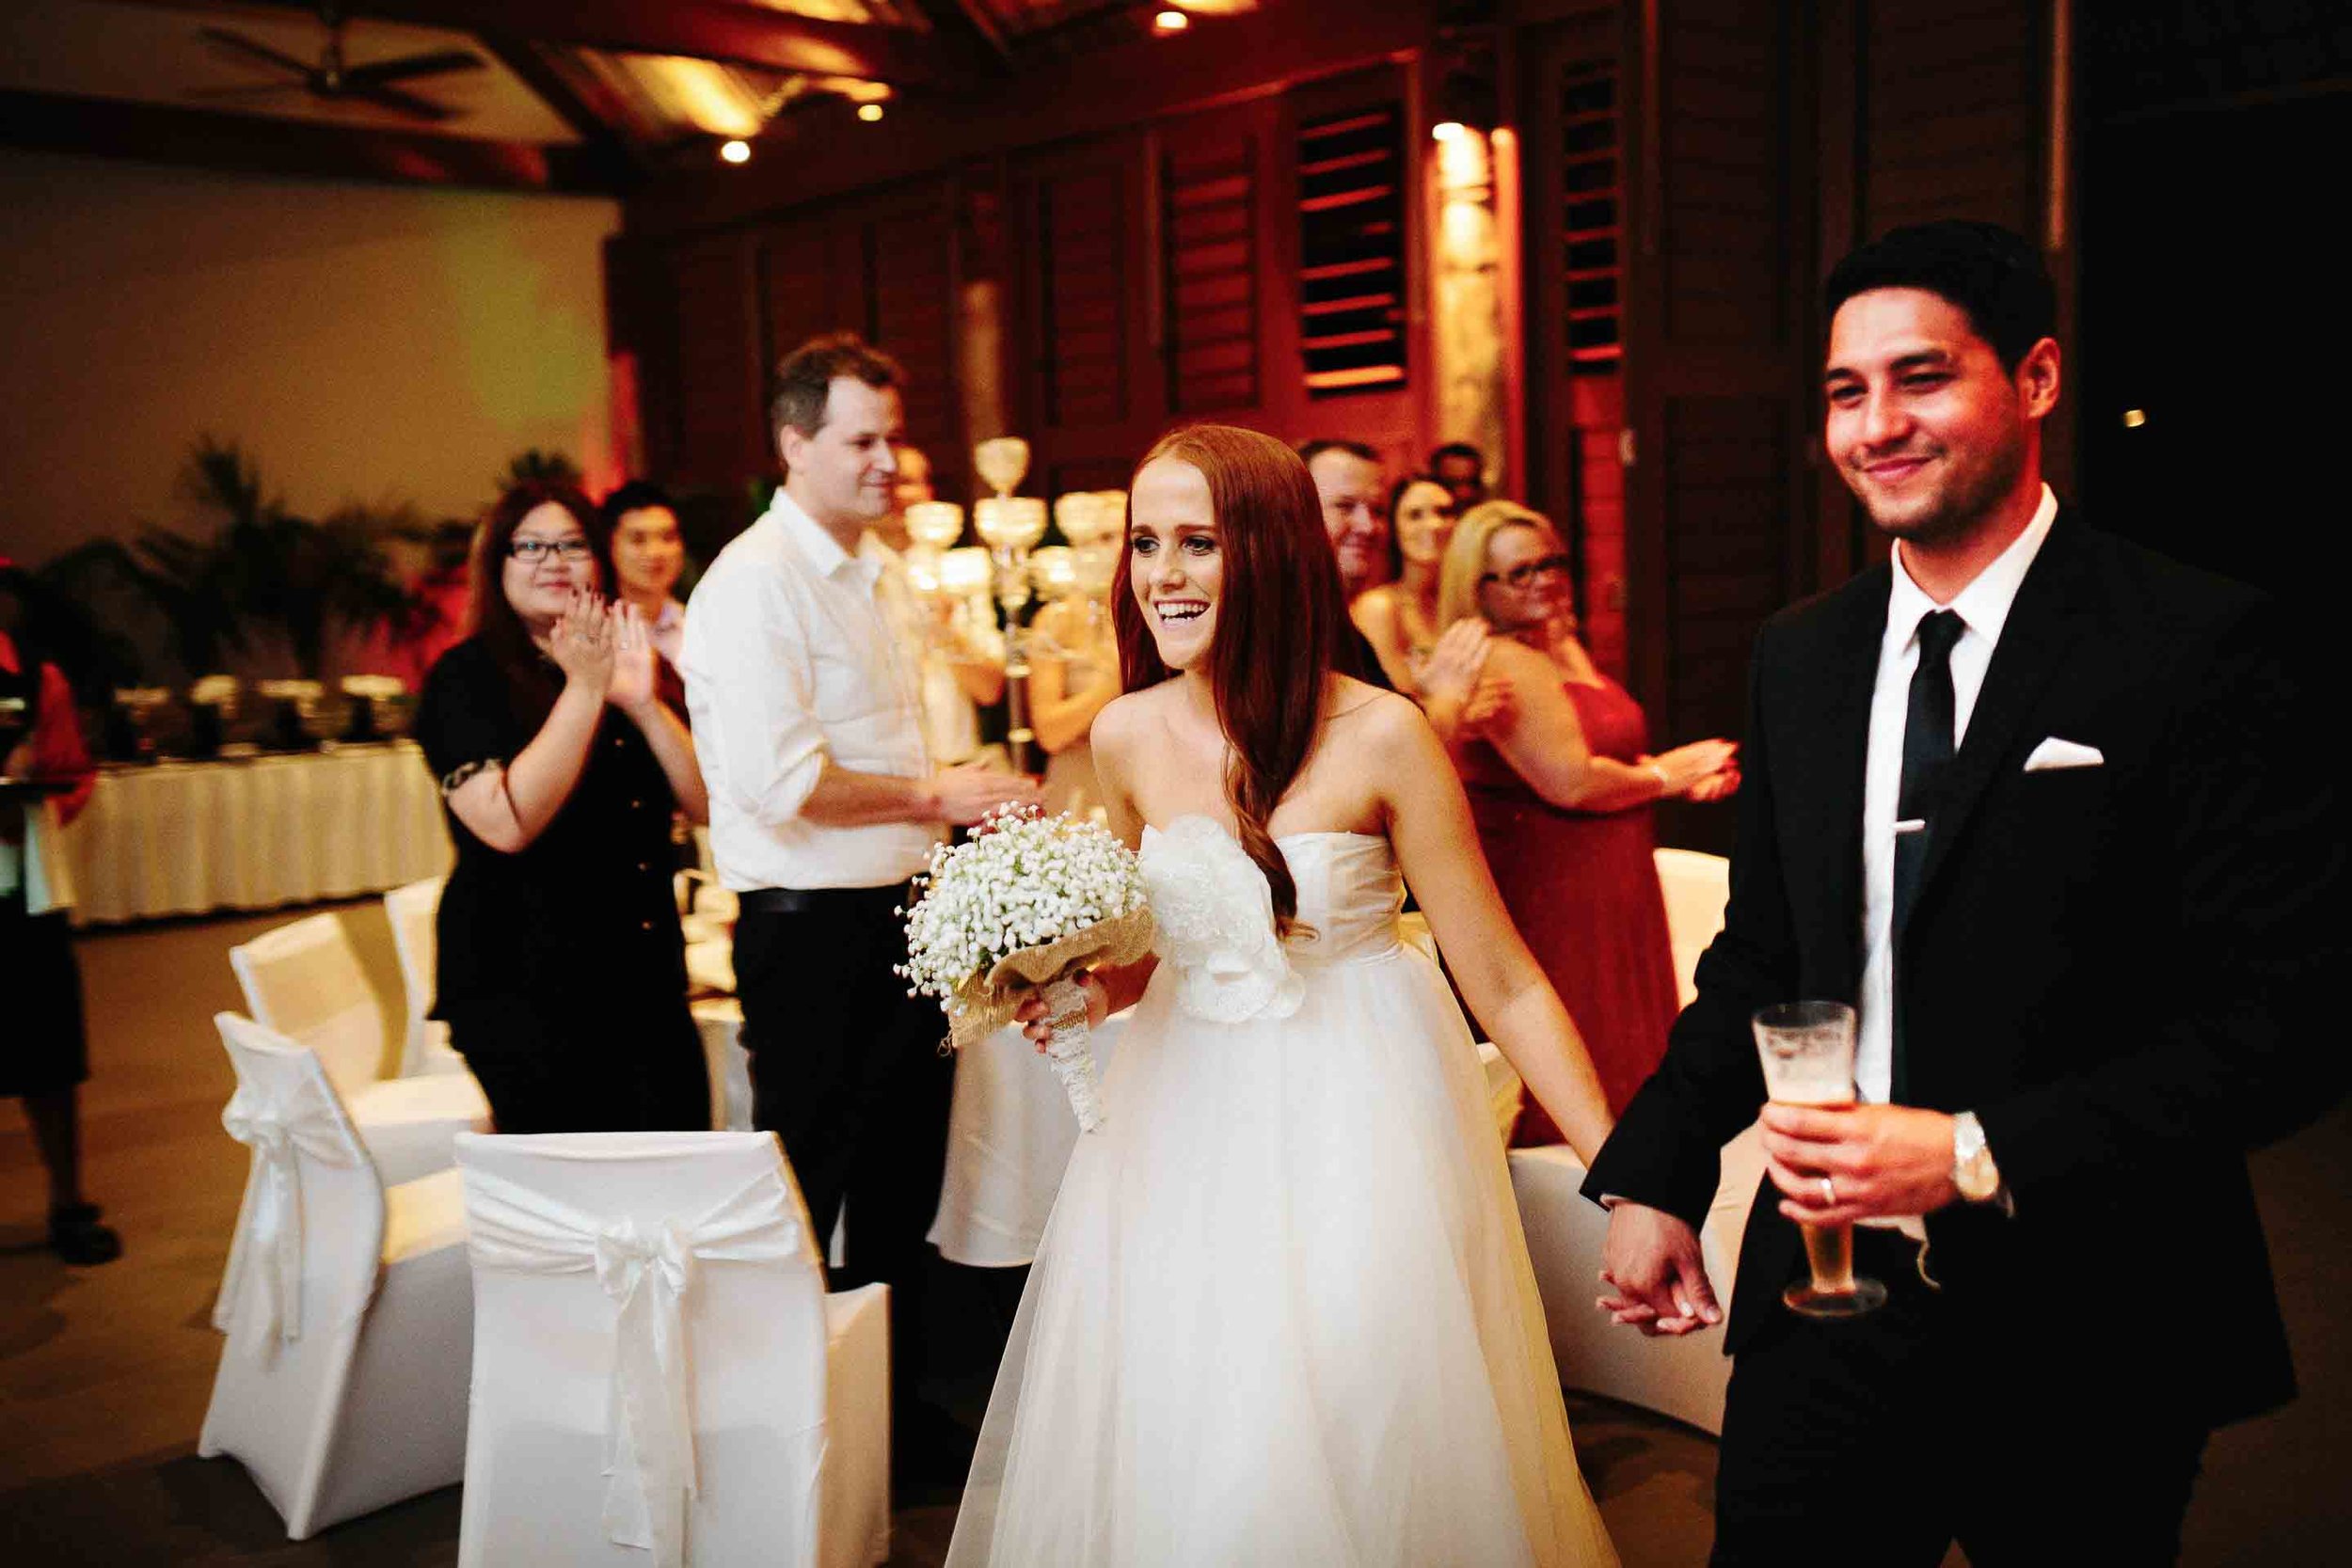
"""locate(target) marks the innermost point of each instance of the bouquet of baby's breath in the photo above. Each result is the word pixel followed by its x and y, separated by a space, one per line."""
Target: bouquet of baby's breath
pixel 1025 904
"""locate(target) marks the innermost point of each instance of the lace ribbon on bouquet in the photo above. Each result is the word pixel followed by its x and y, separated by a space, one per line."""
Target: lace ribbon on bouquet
pixel 648 1269
pixel 1214 914
pixel 269 1250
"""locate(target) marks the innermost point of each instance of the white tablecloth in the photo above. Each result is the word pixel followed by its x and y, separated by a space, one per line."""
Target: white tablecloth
pixel 256 832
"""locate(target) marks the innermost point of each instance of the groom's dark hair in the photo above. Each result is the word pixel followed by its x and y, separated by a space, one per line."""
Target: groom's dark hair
pixel 1994 274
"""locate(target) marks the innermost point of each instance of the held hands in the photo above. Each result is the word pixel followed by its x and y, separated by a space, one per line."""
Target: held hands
pixel 1652 1260
pixel 1031 1014
pixel 1879 1160
pixel 971 791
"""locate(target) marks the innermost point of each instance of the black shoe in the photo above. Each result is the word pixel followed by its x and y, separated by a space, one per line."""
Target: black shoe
pixel 75 1235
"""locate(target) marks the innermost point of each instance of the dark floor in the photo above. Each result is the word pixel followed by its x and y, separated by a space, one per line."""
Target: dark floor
pixel 105 1373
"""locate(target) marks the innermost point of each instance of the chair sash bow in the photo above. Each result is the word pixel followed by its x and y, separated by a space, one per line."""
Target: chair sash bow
pixel 649 1270
pixel 282 1134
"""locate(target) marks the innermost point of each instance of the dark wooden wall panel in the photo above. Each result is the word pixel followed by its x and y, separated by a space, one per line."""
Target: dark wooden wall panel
pixel 1951 118
pixel 718 433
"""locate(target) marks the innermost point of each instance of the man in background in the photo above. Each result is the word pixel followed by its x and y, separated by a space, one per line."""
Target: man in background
pixel 824 803
pixel 1354 489
pixel 1462 469
pixel 648 558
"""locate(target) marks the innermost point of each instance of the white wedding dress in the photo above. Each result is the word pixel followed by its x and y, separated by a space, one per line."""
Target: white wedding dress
pixel 1282 1313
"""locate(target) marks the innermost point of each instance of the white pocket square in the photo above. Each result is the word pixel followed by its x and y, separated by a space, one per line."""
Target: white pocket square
pixel 2055 753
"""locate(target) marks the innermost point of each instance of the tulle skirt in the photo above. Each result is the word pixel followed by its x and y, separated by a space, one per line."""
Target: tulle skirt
pixel 1282 1313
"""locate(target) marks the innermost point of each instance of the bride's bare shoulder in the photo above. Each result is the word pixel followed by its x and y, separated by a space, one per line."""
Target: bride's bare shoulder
pixel 1126 717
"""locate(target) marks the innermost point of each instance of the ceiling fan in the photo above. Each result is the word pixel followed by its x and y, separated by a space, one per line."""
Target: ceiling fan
pixel 332 80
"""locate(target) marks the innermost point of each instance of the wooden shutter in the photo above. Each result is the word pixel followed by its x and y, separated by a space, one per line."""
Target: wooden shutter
pixel 1209 196
pixel 1352 249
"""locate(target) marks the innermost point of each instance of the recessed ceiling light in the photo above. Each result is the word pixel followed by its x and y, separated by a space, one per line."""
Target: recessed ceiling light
pixel 736 151
pixel 870 112
pixel 1171 22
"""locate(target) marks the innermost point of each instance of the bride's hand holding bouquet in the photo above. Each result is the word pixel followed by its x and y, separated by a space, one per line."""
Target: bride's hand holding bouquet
pixel 1011 922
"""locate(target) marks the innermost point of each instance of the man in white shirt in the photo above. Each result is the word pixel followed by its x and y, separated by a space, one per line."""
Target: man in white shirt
pixel 2038 803
pixel 824 803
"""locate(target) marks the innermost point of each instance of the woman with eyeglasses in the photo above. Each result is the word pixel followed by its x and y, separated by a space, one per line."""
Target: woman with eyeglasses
pixel 559 737
pixel 1561 786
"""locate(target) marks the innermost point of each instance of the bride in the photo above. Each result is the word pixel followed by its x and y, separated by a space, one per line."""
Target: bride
pixel 1283 1313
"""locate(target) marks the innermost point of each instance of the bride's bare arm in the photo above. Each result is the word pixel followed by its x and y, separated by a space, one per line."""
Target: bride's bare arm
pixel 1436 846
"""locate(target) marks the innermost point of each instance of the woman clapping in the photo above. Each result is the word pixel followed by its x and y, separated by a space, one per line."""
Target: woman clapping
pixel 558 737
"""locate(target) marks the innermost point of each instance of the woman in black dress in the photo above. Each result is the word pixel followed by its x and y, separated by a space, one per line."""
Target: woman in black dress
pixel 559 739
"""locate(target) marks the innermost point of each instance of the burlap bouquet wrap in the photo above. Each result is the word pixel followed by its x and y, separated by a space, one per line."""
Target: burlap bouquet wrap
pixel 1022 907
pixel 987 1002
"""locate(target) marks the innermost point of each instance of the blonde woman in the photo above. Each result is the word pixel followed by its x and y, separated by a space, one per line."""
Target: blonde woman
pixel 1561 785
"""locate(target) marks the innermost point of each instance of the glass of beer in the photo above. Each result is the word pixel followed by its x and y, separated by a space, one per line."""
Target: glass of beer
pixel 1807 1049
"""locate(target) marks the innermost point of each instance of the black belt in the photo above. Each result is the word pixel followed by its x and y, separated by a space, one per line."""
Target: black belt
pixel 823 900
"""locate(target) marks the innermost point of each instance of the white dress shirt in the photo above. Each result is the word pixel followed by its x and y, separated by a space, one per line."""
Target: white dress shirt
pixel 789 658
pixel 951 722
pixel 1983 608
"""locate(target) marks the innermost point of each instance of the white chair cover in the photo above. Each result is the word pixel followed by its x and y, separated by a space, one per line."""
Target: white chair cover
pixel 305 981
pixel 410 911
pixel 341 1385
pixel 719 1021
pixel 652 1349
pixel 284 1118
pixel 647 1268
pixel 1695 887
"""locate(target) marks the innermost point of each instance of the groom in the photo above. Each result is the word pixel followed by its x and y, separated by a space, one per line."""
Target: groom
pixel 2033 800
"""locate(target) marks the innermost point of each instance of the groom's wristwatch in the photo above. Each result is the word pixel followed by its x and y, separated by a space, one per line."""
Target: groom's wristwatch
pixel 1972 1170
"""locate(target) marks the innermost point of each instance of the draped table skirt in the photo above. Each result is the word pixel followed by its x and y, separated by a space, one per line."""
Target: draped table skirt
pixel 255 833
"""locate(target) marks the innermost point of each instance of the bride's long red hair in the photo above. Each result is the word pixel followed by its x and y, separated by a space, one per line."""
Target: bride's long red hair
pixel 1278 625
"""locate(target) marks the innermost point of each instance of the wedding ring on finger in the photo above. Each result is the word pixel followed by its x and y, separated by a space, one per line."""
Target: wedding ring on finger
pixel 1829 1190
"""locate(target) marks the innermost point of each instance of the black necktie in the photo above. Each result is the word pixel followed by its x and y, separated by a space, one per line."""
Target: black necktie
pixel 1927 726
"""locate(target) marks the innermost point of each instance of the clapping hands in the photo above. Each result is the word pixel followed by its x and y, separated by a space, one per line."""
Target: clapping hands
pixel 1453 687
pixel 606 648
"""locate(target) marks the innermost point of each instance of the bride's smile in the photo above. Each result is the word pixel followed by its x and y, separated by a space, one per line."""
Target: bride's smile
pixel 1176 565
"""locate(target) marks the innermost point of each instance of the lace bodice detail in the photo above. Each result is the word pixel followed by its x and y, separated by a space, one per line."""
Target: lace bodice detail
pixel 1215 914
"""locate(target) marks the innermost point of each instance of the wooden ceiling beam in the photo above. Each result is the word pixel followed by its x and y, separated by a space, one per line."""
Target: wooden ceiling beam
pixel 205 138
pixel 700 29
pixel 592 110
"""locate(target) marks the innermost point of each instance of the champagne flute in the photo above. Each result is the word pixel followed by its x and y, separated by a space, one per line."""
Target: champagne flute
pixel 1807 1049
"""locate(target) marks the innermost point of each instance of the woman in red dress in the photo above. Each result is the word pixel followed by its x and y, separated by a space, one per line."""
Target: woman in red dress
pixel 1560 783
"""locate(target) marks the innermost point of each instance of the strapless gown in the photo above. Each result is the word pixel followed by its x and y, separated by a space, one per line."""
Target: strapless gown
pixel 1282 1313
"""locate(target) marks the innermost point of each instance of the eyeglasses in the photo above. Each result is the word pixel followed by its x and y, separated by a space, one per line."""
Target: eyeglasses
pixel 1526 572
pixel 531 551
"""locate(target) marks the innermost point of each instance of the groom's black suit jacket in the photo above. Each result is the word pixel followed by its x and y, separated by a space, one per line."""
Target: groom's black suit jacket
pixel 2116 967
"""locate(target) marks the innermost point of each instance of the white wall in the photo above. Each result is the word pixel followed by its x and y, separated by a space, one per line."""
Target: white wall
pixel 362 341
